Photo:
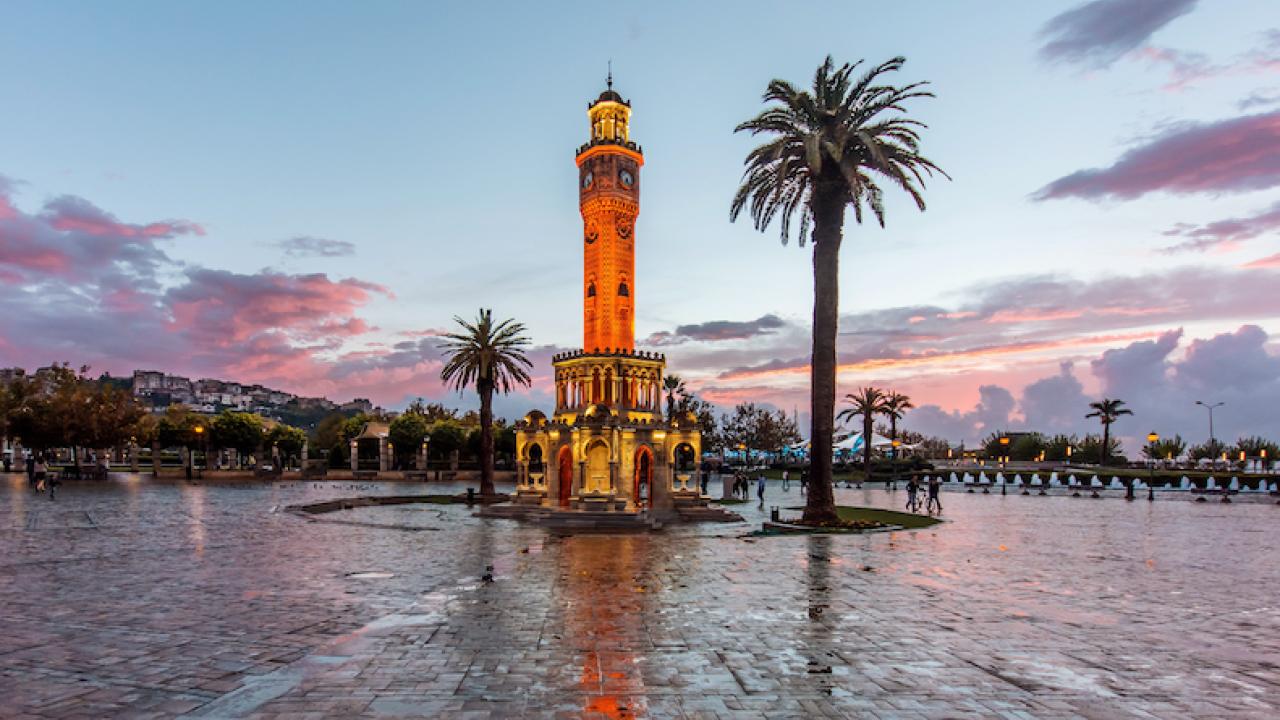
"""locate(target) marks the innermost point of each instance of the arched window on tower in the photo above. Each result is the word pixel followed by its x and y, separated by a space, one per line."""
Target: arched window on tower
pixel 622 289
pixel 591 289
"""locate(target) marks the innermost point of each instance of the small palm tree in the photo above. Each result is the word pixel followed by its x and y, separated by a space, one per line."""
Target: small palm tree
pixel 1107 411
pixel 674 385
pixel 866 403
pixel 832 148
pixel 895 406
pixel 490 357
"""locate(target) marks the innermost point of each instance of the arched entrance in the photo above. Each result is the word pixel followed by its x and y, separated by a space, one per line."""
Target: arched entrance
pixel 598 480
pixel 566 475
pixel 642 493
pixel 534 464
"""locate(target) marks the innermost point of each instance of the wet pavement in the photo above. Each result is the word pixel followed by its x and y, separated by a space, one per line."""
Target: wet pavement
pixel 135 599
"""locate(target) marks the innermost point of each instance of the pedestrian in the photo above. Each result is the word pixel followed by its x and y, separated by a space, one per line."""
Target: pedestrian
pixel 760 487
pixel 40 471
pixel 935 487
pixel 706 478
pixel 31 471
pixel 912 488
pixel 786 480
pixel 804 481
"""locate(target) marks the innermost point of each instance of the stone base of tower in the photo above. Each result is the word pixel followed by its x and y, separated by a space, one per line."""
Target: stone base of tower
pixel 608 448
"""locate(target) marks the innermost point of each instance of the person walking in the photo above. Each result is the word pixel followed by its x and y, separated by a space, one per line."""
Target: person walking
pixel 41 472
pixel 760 480
pixel 935 488
pixel 913 487
pixel 786 480
pixel 31 471
pixel 804 481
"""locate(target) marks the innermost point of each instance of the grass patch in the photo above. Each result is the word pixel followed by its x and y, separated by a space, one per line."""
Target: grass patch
pixel 887 517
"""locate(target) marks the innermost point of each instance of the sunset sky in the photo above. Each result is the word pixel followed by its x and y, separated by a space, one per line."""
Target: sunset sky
pixel 303 194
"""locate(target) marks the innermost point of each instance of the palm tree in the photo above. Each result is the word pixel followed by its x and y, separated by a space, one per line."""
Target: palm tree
pixel 490 357
pixel 895 406
pixel 1107 411
pixel 674 386
pixel 867 403
pixel 833 148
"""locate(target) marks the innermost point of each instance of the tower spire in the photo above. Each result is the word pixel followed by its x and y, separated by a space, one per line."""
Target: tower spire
pixel 609 81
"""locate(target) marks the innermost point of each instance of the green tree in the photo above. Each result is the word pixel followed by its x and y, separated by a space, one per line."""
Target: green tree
pixel 866 403
pixel 407 432
pixel 431 411
pixel 489 357
pixel 832 149
pixel 674 386
pixel 1027 447
pixel 328 432
pixel 1055 449
pixel 1165 448
pixel 288 440
pixel 1107 411
pixel 1211 450
pixel 1254 447
pixel 239 431
pixel 1095 446
pixel 895 406
pixel 447 438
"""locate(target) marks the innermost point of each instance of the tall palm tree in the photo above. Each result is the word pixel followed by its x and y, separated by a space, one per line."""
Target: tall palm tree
pixel 1107 411
pixel 491 357
pixel 895 406
pixel 866 403
pixel 832 149
pixel 674 385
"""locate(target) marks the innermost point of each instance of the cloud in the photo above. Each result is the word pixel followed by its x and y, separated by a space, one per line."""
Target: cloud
pixel 1189 68
pixel 1224 234
pixel 306 246
pixel 1271 261
pixel 1098 33
pixel 1259 98
pixel 74 240
pixel 1234 155
pixel 716 330
pixel 1159 379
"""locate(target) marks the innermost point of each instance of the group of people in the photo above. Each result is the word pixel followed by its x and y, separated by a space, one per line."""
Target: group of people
pixel 934 488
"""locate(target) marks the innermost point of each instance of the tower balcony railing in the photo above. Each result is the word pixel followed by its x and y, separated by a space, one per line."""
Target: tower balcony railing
pixel 604 141
pixel 609 352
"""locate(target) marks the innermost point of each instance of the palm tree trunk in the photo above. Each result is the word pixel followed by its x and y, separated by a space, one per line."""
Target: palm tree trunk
pixel 868 432
pixel 828 221
pixel 486 437
pixel 1106 440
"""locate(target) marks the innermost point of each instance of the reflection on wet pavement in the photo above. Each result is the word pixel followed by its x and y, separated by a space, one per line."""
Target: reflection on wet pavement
pixel 158 600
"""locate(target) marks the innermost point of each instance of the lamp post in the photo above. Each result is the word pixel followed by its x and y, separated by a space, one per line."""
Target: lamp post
pixel 1004 461
pixel 1210 407
pixel 1152 439
pixel 893 461
pixel 199 430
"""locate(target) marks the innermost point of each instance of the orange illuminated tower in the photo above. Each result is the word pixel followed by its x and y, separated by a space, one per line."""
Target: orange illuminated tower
pixel 609 186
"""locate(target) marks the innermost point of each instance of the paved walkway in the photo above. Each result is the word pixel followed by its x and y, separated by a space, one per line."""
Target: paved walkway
pixel 145 600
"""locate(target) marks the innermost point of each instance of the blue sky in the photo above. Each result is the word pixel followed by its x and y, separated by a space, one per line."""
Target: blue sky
pixel 438 142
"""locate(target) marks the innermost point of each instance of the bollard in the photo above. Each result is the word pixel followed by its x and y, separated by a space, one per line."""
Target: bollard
pixel 773 514
pixel 471 496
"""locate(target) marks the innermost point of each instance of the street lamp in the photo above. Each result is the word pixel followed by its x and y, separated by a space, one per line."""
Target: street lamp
pixel 1210 407
pixel 893 461
pixel 1152 439
pixel 1004 460
pixel 199 430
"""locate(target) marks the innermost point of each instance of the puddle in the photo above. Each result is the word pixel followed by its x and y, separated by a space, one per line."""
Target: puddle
pixel 371 575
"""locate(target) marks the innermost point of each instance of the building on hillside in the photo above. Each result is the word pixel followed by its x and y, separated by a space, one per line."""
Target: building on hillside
pixel 607 444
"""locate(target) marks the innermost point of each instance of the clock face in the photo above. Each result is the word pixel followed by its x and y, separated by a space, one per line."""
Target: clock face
pixel 586 180
pixel 627 178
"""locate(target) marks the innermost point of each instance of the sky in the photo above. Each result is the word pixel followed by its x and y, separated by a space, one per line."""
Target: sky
pixel 306 194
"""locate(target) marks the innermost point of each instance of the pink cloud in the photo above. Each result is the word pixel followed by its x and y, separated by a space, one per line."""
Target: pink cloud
pixel 1224 234
pixel 1234 155
pixel 1271 261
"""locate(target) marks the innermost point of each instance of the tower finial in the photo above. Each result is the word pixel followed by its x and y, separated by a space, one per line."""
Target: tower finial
pixel 610 80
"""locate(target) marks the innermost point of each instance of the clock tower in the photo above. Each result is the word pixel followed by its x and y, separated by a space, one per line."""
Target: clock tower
pixel 609 198
pixel 608 446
